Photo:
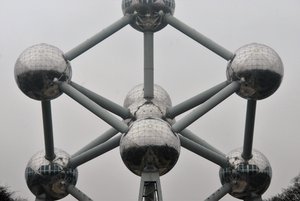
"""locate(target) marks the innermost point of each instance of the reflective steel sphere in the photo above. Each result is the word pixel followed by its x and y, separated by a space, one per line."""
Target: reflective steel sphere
pixel 161 96
pixel 148 17
pixel 50 178
pixel 150 144
pixel 38 67
pixel 259 67
pixel 249 178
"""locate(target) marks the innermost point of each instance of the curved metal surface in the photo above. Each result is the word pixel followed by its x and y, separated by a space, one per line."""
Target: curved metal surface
pixel 50 178
pixel 248 177
pixel 148 18
pixel 38 67
pixel 259 67
pixel 150 144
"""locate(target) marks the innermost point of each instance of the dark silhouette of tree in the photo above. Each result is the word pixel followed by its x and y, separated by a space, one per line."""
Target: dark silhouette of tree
pixel 5 195
pixel 292 193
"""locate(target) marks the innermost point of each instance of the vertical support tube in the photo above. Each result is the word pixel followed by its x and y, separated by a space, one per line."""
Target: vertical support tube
pixel 48 130
pixel 203 40
pixel 150 188
pixel 221 192
pixel 148 66
pixel 249 129
pixel 94 40
pixel 76 193
pixel 205 107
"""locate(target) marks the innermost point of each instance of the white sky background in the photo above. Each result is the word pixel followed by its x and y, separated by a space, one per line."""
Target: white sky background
pixel 183 67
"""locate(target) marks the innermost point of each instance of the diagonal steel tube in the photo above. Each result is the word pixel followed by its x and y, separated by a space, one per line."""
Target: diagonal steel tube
pixel 97 38
pixel 148 66
pixel 48 130
pixel 194 101
pixel 103 102
pixel 203 40
pixel 221 192
pixel 205 107
pixel 93 107
pixel 204 152
pixel 191 136
pixel 78 194
pixel 101 139
pixel 249 129
pixel 94 152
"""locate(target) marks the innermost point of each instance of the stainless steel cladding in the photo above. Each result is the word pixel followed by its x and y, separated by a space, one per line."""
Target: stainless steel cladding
pixel 50 178
pixel 249 178
pixel 150 144
pixel 259 68
pixel 148 16
pixel 135 98
pixel 37 68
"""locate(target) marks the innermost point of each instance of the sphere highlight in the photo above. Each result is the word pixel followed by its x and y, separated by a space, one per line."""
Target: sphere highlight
pixel 37 69
pixel 150 144
pixel 259 68
pixel 50 178
pixel 148 16
pixel 249 178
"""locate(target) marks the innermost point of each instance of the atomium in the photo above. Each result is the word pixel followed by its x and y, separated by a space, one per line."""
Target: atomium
pixel 38 67
pixel 248 177
pixel 148 16
pixel 260 68
pixel 150 144
pixel 148 135
pixel 50 177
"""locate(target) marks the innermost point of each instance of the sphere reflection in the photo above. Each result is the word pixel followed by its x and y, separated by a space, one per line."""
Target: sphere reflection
pixel 259 67
pixel 50 178
pixel 37 68
pixel 150 144
pixel 249 178
pixel 148 17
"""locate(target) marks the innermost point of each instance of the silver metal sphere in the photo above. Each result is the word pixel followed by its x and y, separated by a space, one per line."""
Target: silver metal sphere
pixel 150 144
pixel 161 97
pixel 37 68
pixel 259 67
pixel 50 178
pixel 148 17
pixel 249 178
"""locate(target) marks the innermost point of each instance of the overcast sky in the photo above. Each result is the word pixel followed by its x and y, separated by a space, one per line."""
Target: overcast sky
pixel 183 67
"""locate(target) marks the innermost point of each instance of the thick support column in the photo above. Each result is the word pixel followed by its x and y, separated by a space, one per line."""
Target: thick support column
pixel 93 107
pixel 221 192
pixel 204 152
pixel 249 129
pixel 48 130
pixel 193 137
pixel 148 66
pixel 205 107
pixel 150 188
pixel 103 102
pixel 101 139
pixel 203 40
pixel 76 193
pixel 94 152
pixel 91 42
pixel 194 101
